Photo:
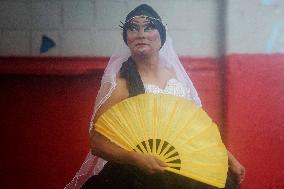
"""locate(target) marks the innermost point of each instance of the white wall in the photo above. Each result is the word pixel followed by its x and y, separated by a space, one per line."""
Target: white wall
pixel 90 27
pixel 255 26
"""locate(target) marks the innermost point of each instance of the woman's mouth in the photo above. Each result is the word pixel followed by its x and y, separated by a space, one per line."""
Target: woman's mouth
pixel 141 44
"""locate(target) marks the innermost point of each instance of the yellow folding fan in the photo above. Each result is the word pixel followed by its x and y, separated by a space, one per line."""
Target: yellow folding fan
pixel 171 128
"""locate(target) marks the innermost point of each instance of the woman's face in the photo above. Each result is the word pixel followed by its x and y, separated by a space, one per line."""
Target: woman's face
pixel 143 39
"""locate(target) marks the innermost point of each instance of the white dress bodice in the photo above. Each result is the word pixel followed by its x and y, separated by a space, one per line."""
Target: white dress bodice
pixel 173 87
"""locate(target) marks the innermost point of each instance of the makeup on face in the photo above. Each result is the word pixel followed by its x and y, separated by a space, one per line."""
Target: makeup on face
pixel 143 38
pixel 147 26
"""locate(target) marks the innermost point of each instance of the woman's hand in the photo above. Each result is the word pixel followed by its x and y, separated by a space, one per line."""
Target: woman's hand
pixel 148 163
pixel 236 168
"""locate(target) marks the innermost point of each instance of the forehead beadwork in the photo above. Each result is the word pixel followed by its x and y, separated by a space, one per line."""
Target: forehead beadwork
pixel 130 20
pixel 144 17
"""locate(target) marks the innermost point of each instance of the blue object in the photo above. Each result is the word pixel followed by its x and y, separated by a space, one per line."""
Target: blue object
pixel 276 39
pixel 46 44
pixel 268 2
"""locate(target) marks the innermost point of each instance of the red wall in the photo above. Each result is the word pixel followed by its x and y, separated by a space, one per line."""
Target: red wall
pixel 45 113
pixel 255 118
pixel 46 107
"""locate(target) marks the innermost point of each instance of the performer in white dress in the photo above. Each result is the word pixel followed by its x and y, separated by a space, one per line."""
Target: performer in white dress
pixel 148 64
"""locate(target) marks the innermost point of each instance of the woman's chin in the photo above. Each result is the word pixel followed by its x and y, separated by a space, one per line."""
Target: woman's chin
pixel 143 52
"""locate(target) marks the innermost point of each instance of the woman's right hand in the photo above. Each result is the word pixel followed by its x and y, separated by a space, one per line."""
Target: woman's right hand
pixel 148 163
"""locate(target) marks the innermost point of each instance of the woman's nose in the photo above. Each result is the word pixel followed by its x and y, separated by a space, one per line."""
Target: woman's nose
pixel 141 32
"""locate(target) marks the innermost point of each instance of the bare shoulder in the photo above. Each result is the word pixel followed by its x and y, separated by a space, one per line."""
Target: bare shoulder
pixel 120 93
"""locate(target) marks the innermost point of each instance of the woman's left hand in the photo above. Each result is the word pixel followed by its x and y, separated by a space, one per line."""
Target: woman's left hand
pixel 236 168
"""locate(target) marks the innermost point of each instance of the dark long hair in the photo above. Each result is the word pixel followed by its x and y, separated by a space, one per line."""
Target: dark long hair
pixel 129 72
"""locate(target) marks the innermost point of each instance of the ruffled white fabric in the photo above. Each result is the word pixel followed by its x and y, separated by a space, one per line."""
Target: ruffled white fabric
pixel 180 86
pixel 173 87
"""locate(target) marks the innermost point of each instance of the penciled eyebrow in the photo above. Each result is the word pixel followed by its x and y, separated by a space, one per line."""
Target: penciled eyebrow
pixel 143 25
pixel 137 22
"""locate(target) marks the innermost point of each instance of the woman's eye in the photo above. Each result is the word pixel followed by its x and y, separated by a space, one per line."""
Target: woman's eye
pixel 133 28
pixel 149 27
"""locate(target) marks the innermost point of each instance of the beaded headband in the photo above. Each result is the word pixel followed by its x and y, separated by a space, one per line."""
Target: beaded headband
pixel 141 16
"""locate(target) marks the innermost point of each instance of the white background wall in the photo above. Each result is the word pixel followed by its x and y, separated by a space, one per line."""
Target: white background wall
pixel 90 27
pixel 255 26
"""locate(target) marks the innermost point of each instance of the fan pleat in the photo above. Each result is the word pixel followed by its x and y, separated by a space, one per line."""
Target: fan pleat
pixel 168 155
pixel 169 160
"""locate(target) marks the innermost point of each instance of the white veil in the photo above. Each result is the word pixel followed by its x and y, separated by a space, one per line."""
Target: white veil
pixel 168 57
